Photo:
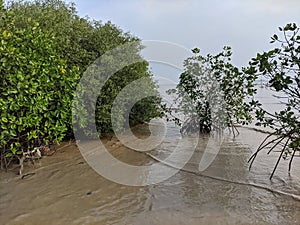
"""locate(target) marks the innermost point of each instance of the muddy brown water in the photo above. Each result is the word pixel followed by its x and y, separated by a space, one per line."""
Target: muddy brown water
pixel 64 189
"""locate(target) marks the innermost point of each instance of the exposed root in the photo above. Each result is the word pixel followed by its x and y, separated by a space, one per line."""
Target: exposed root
pixel 32 155
pixel 273 140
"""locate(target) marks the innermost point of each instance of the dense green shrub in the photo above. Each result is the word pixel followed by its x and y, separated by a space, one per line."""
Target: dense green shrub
pixel 80 41
pixel 45 48
pixel 93 84
pixel 36 87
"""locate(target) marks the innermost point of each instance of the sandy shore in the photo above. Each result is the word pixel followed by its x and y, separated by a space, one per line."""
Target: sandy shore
pixel 64 189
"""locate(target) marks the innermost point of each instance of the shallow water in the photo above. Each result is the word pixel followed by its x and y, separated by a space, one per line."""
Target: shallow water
pixel 65 190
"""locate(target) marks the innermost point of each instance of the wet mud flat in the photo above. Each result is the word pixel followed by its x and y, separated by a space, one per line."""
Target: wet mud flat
pixel 64 189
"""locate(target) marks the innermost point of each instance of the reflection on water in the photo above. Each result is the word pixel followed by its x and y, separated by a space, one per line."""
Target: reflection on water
pixel 65 190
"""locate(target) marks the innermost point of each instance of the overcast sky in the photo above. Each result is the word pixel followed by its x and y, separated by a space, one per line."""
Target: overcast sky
pixel 246 25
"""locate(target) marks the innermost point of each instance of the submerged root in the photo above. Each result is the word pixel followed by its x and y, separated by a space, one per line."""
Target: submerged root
pixel 294 196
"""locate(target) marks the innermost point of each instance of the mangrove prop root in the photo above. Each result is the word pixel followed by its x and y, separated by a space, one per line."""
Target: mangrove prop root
pixel 282 151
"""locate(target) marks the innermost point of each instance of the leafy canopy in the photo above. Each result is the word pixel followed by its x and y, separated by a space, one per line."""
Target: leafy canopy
pixel 210 88
pixel 45 47
pixel 36 89
pixel 281 66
